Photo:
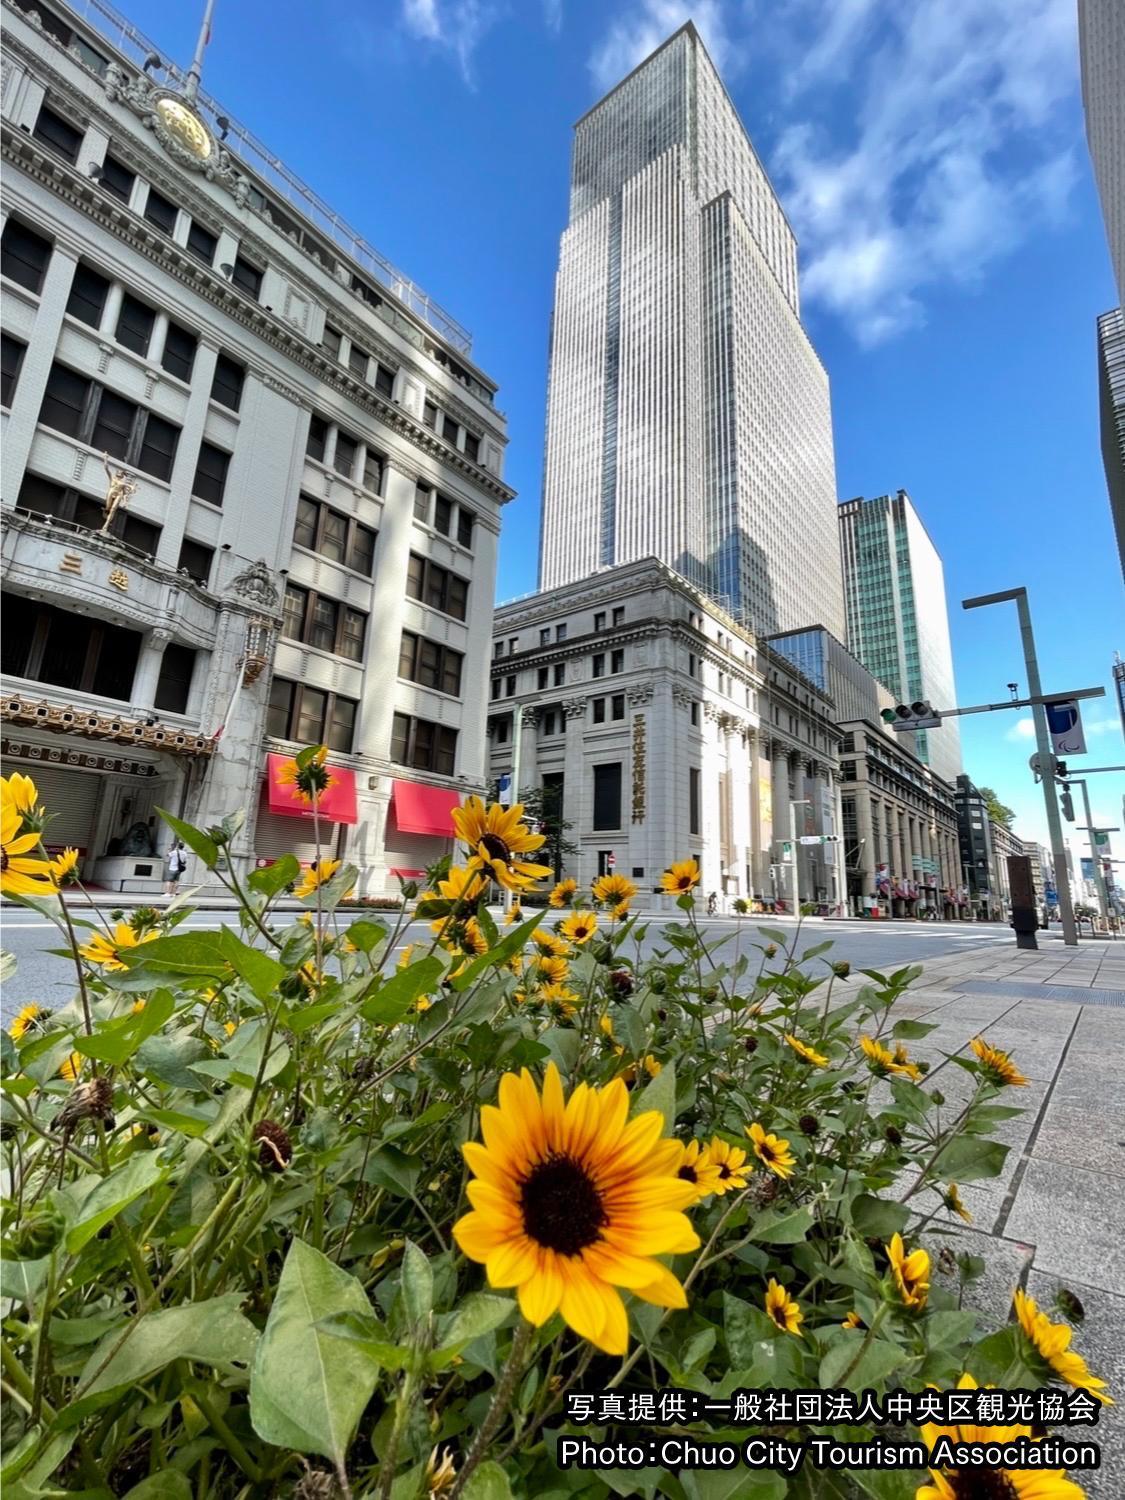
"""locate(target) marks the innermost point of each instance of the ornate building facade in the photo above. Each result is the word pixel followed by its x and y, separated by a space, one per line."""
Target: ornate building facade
pixel 309 465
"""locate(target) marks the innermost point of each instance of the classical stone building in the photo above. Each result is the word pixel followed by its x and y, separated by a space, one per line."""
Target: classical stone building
pixel 667 731
pixel 308 550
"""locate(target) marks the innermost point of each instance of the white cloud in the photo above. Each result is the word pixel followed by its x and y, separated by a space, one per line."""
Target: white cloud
pixel 633 35
pixel 951 152
pixel 1108 725
pixel 456 26
pixel 1023 730
pixel 553 15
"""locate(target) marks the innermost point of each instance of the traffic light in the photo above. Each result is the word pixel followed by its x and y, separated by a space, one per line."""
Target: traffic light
pixel 1060 769
pixel 1066 802
pixel 906 717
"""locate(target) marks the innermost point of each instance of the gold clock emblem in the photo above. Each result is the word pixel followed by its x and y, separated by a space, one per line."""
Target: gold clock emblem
pixel 187 128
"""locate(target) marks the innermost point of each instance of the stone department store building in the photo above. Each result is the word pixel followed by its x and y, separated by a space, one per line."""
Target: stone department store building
pixel 309 554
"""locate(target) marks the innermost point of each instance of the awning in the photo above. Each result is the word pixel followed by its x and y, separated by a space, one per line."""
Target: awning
pixel 424 809
pixel 336 805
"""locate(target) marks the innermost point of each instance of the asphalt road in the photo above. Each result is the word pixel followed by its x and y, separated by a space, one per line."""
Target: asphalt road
pixel 49 980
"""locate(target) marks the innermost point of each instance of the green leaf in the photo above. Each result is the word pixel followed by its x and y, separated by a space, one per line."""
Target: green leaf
pixel 113 1194
pixel 271 879
pixel 169 1484
pixel 394 1170
pixel 660 1094
pixel 395 996
pixel 744 1327
pixel 773 935
pixel 308 1390
pixel 115 1041
pixel 212 1332
pixel 261 972
pixel 816 950
pixel 878 1217
pixel 488 1482
pixel 782 1226
pixel 194 838
pixel 992 1361
pixel 967 1158
pixel 168 1059
pixel 366 1330
pixel 946 1328
pixel 913 1031
pixel 198 953
pixel 21 1279
pixel 417 1284
pixel 366 936
pixel 503 951
pixel 479 1313
pixel 875 1363
pixel 887 1484
pixel 727 1484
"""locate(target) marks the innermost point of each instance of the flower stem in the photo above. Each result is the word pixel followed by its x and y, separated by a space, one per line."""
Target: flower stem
pixel 501 1401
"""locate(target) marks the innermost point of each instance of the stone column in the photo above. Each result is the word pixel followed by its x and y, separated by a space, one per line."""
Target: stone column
pixel 577 793
pixel 158 339
pixel 867 857
pixel 20 430
pixel 786 873
pixel 148 670
pixel 380 678
pixel 112 311
pixel 529 751
pixel 187 456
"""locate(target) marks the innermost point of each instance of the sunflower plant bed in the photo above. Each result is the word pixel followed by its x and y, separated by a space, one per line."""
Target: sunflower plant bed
pixel 292 1210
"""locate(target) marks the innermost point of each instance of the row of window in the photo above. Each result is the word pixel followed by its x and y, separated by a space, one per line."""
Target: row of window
pixel 430 664
pixel 313 716
pixel 449 428
pixel 334 535
pixel 361 364
pixel 615 617
pixel 446 516
pixel 345 453
pixel 316 620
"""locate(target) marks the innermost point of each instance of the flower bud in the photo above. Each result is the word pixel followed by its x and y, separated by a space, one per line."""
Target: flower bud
pixel 893 1135
pixel 751 1044
pixel 841 968
pixel 808 1125
pixel 218 835
pixel 770 950
pixel 622 982
pixel 937 1097
pixel 275 1149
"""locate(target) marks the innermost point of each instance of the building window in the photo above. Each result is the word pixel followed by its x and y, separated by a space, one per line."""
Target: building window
pixel 499 729
pixel 331 340
pixel 465 520
pixel 357 361
pixel 422 494
pixel 179 352
pixel 384 380
pixel 692 665
pixel 541 678
pixel 317 439
pixel 373 462
pixel 693 800
pixel 545 636
pixel 619 614
pixel 472 447
pixel 607 796
pixel 343 460
pixel 202 243
pixel 430 664
pixel 695 714
pixel 429 414
pixel 246 277
pixel 617 661
pixel 599 664
pixel 13 352
pixel 313 717
pixel 617 706
pixel 334 535
pixel 423 745
pixel 57 133
pixel 510 686
pixel 134 324
pixel 599 620
pixel 40 643
pixel 495 687
pixel 437 587
pixel 324 623
pixel 211 473
pixel 24 255
pixel 88 292
pixel 443 515
pixel 174 683
pixel 195 561
pixel 93 415
pixel 552 721
pixel 226 387
pixel 160 211
pixel 560 673
pixel 117 179
pixel 560 632
pixel 598 710
pixel 449 429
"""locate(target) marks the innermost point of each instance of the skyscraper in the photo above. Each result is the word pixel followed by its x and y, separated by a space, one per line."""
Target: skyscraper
pixel 894 588
pixel 688 414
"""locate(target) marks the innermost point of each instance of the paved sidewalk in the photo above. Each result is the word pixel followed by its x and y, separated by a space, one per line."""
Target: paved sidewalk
pixel 1055 1217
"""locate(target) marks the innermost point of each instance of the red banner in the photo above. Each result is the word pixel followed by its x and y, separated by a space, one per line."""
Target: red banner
pixel 335 805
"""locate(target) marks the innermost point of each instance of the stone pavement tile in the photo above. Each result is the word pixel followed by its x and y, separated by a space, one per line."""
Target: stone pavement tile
pixel 1075 1132
pixel 1043 1016
pixel 1006 1263
pixel 1076 1220
pixel 1100 1339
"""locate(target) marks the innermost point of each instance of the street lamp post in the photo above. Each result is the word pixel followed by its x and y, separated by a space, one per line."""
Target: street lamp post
pixel 797 802
pixel 1043 745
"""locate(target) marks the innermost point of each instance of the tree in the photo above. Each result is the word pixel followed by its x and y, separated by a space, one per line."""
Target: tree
pixel 998 812
pixel 542 810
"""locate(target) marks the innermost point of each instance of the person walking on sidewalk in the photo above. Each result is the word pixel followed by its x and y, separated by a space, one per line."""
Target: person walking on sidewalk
pixel 174 867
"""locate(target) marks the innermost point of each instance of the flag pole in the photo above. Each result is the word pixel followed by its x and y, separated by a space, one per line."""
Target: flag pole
pixel 195 72
pixel 517 730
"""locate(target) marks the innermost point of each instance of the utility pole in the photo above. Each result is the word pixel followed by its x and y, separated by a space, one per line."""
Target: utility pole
pixel 1043 744
pixel 517 737
pixel 1099 878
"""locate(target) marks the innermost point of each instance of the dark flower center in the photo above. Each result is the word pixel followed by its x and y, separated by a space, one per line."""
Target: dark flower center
pixel 724 1171
pixel 688 1173
pixel 982 1484
pixel 496 847
pixel 562 1208
pixel 777 1313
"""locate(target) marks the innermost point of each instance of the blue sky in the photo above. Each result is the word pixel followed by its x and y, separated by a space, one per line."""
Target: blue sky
pixel 953 259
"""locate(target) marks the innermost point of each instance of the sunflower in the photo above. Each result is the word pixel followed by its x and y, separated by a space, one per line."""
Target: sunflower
pixel 461 937
pixel 562 893
pixel 20 792
pixel 497 838
pixel 514 915
pixel 20 876
pixel 997 1066
pixel 440 1477
pixel 559 1000
pixel 730 1163
pixel 548 944
pixel 911 1273
pixel 550 969
pixel 315 876
pixel 952 1200
pixel 817 1059
pixel 852 1320
pixel 63 866
pixel 882 1060
pixel 70 1068
pixel 782 1309
pixel 570 1203
pixel 406 955
pixel 1051 1342
pixel 31 1018
pixel 313 778
pixel 680 878
pixel 613 890
pixel 105 952
pixel 995 1484
pixel 691 1160
pixel 580 928
pixel 772 1151
pixel 620 911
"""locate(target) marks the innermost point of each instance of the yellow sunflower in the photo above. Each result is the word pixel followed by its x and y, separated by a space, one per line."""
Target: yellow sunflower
pixel 911 1273
pixel 691 1160
pixel 559 1000
pixel 730 1163
pixel 773 1151
pixel 514 915
pixel 1051 1342
pixel 463 884
pixel 20 792
pixel 613 890
pixel 569 1204
pixel 20 876
pixel 406 955
pixel 30 1018
pixel 580 928
pixel 997 1066
pixel 464 937
pixel 313 777
pixel 817 1059
pixel 63 866
pixel 995 1484
pixel 853 1320
pixel 952 1200
pixel 680 877
pixel 562 893
pixel 619 912
pixel 782 1309
pixel 882 1060
pixel 70 1068
pixel 315 876
pixel 548 943
pixel 497 839
pixel 440 1477
pixel 550 969
pixel 105 951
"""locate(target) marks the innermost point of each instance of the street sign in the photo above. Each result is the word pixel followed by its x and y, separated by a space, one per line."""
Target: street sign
pixel 1064 722
pixel 611 860
pixel 819 838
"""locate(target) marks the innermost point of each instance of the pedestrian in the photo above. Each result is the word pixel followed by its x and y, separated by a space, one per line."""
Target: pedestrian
pixel 174 867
